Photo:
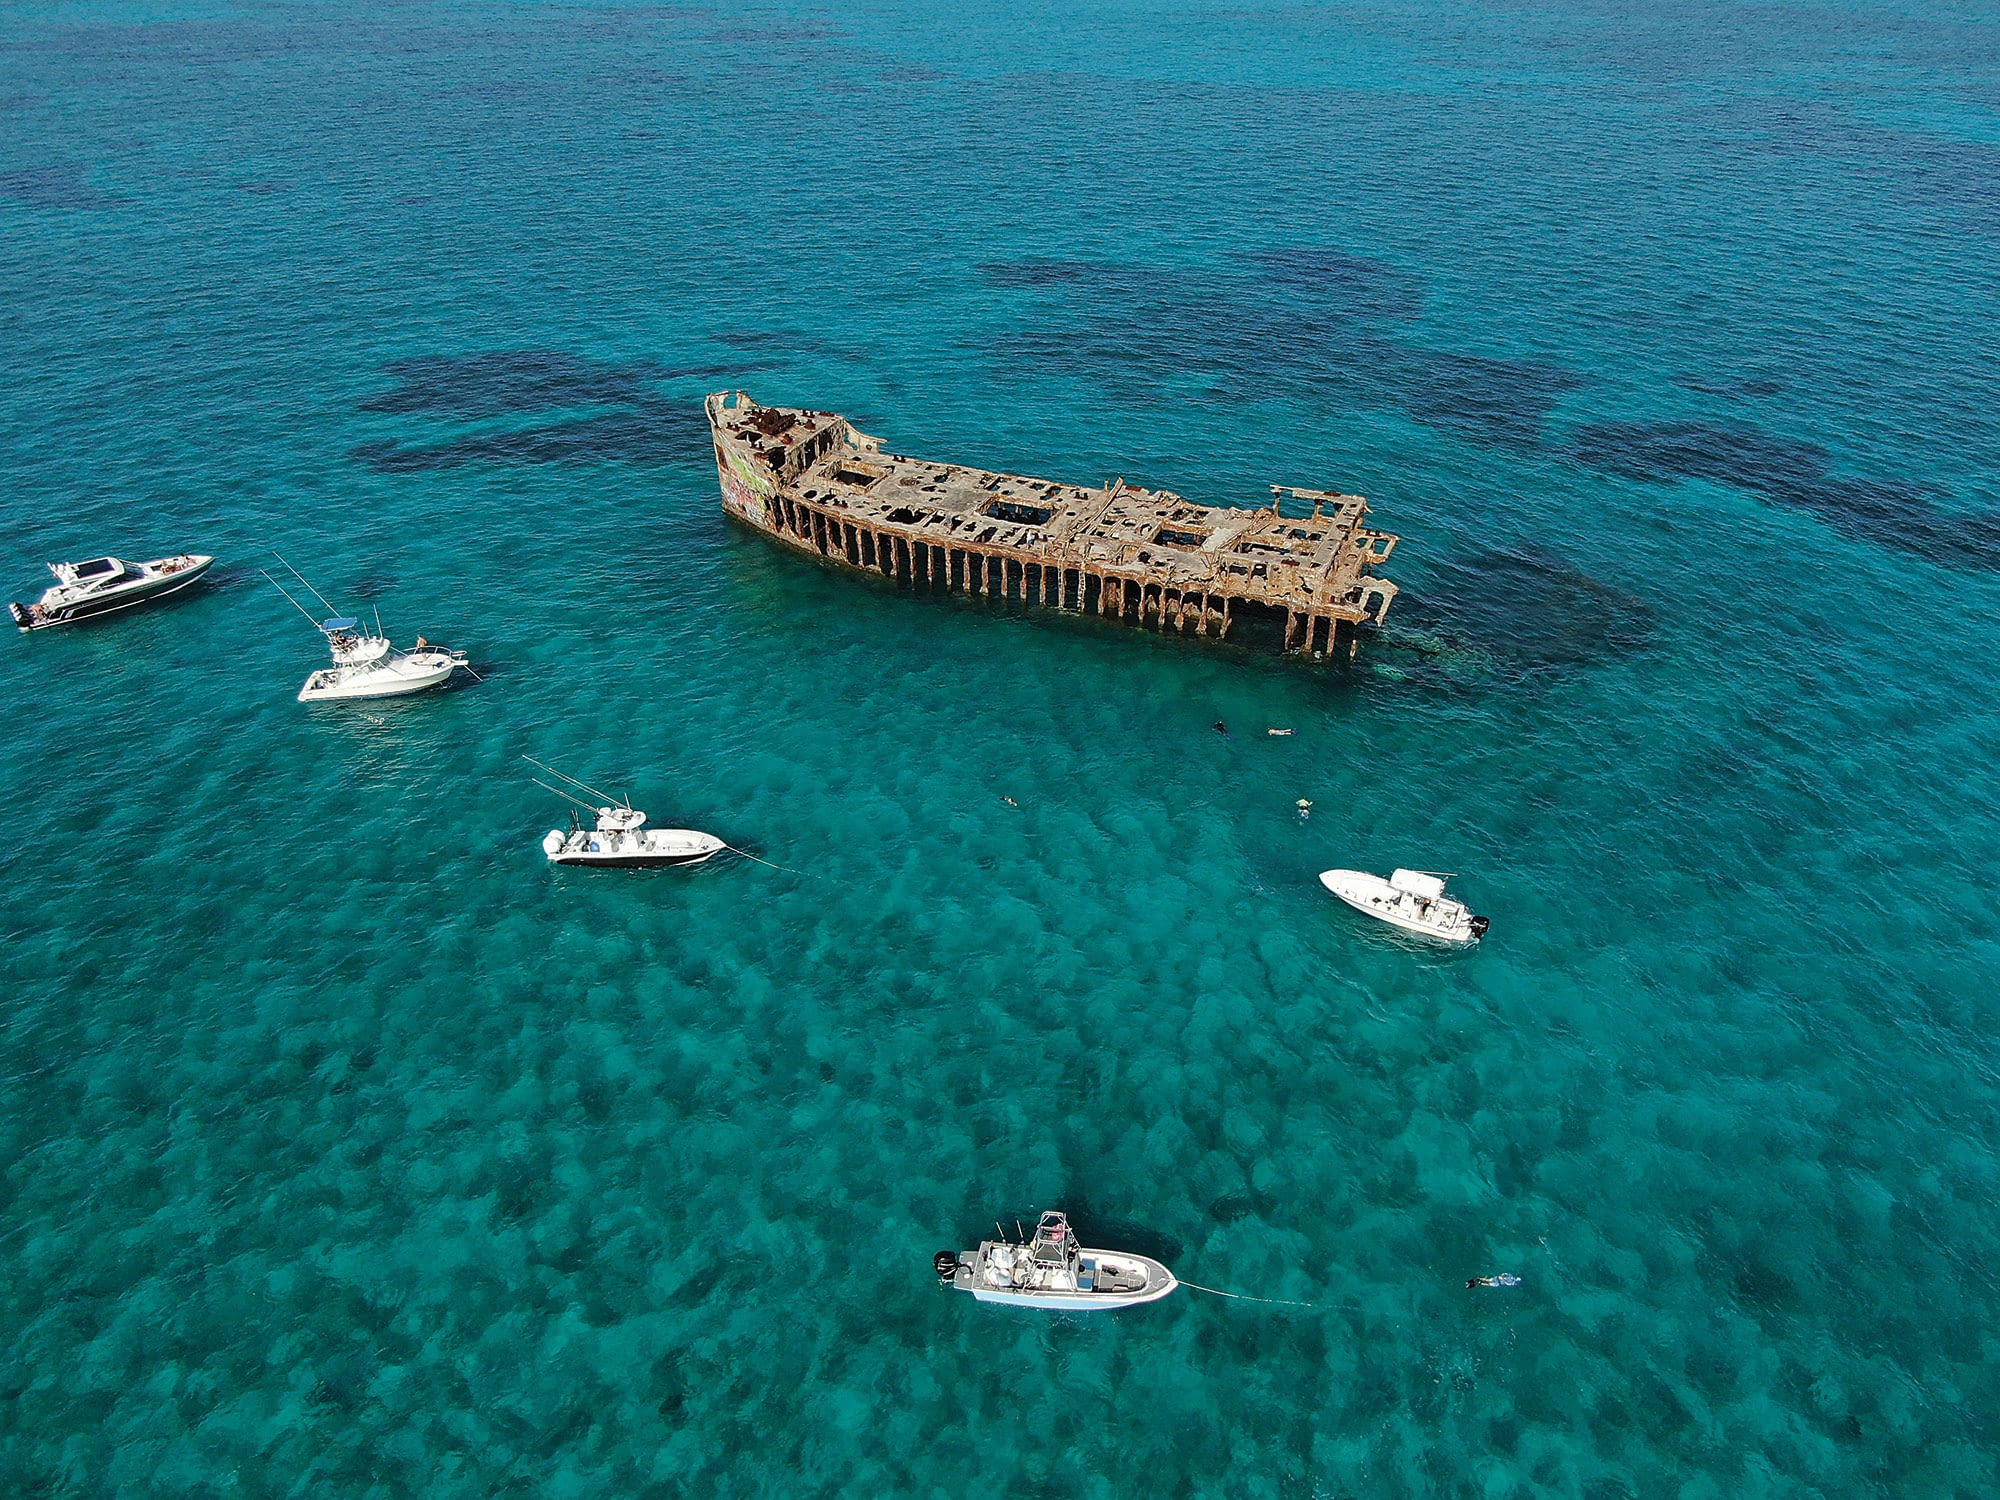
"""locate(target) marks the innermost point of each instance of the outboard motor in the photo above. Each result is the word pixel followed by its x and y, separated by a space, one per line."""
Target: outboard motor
pixel 945 1263
pixel 1479 926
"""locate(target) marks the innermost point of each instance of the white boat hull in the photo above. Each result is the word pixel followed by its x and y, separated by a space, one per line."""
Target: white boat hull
pixel 395 679
pixel 647 849
pixel 149 590
pixel 1443 920
pixel 1159 1283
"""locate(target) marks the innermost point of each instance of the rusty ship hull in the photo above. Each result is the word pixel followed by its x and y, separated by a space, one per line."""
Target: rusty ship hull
pixel 811 480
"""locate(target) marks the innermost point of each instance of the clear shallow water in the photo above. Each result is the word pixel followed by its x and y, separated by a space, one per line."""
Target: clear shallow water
pixel 347 1149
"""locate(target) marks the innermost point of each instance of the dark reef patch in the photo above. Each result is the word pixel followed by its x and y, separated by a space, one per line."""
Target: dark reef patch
pixel 1528 608
pixel 58 186
pixel 1929 170
pixel 1362 288
pixel 504 382
pixel 1799 475
pixel 661 432
pixel 634 421
pixel 1304 323
pixel 1498 401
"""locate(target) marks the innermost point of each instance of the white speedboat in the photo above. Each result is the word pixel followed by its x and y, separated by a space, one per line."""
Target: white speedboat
pixel 105 584
pixel 1413 900
pixel 367 666
pixel 620 839
pixel 1051 1270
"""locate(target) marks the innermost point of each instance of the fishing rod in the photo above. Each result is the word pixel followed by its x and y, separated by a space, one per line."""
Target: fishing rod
pixel 562 794
pixel 294 603
pixel 561 776
pixel 331 608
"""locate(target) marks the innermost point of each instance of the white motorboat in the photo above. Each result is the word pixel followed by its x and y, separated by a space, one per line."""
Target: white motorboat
pixel 367 666
pixel 619 842
pixel 1052 1271
pixel 105 584
pixel 1413 900
pixel 620 839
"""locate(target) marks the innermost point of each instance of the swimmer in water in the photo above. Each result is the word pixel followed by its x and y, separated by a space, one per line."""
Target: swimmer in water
pixel 1222 729
pixel 1305 809
pixel 1506 1279
pixel 1010 801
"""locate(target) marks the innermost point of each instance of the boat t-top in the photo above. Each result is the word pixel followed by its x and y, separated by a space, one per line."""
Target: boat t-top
pixel 365 664
pixel 104 584
pixel 618 838
pixel 1413 900
pixel 1052 1270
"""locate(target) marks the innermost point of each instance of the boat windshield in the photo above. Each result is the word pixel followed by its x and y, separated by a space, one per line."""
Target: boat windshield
pixel 1418 883
pixel 98 569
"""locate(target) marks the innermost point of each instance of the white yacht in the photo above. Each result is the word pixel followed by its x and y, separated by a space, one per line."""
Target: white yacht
pixel 367 666
pixel 1413 900
pixel 1051 1270
pixel 619 838
pixel 105 584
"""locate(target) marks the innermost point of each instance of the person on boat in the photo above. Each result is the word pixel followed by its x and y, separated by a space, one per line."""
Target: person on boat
pixel 1504 1279
pixel 422 644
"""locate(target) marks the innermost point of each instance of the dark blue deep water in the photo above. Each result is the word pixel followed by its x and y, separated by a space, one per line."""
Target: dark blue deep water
pixel 346 1149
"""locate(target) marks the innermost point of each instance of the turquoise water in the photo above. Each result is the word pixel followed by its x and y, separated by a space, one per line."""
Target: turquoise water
pixel 348 1149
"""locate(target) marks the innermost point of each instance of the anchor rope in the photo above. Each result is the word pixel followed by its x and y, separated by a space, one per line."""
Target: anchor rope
pixel 748 855
pixel 1195 1286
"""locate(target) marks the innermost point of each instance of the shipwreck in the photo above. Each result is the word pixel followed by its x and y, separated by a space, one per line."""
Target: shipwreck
pixel 1303 580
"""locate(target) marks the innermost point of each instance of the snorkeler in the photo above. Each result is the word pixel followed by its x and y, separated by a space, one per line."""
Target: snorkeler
pixel 1504 1279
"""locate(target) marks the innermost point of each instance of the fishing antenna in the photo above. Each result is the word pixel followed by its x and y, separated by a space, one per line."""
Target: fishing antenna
pixel 331 608
pixel 627 801
pixel 294 603
pixel 562 794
